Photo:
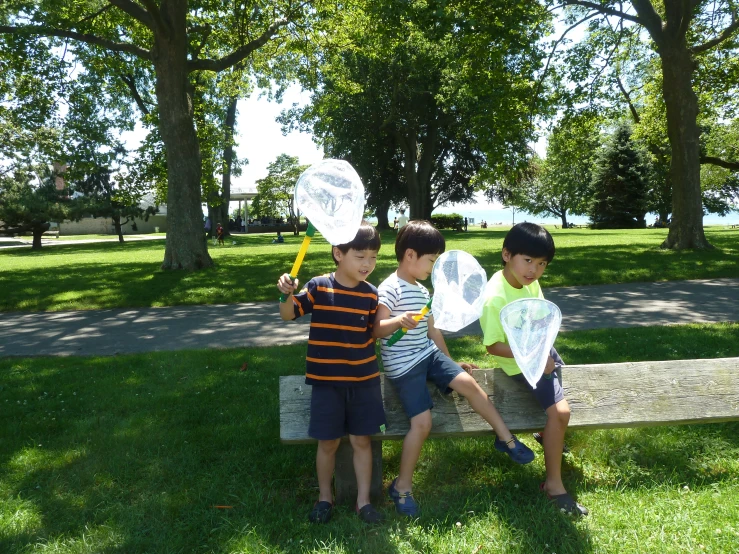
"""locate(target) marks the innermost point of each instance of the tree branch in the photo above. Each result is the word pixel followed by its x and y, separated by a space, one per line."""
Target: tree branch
pixel 156 16
pixel 649 17
pixel 604 10
pixel 93 16
pixel 725 34
pixel 82 37
pixel 734 166
pixel 632 108
pixel 135 11
pixel 128 79
pixel 239 54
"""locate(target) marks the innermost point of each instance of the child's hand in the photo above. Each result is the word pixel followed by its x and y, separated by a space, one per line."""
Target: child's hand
pixel 286 285
pixel 468 367
pixel 550 366
pixel 406 320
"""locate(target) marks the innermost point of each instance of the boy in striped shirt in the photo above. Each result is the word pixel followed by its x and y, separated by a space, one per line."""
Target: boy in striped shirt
pixel 422 355
pixel 341 365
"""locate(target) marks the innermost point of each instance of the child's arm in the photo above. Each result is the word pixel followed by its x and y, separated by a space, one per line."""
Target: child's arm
pixel 503 350
pixel 436 336
pixel 287 286
pixel 385 325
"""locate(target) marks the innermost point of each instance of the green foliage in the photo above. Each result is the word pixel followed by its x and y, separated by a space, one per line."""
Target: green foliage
pixel 448 221
pixel 275 196
pixel 619 184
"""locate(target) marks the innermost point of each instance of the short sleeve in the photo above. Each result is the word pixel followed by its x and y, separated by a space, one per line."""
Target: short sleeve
pixel 304 300
pixel 387 296
pixel 492 328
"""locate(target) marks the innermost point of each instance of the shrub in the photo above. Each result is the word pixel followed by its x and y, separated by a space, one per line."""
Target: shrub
pixel 447 221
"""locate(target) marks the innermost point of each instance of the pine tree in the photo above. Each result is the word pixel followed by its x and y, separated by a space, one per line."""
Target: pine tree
pixel 619 184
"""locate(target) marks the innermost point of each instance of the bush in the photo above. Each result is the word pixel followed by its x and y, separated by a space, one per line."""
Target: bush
pixel 448 221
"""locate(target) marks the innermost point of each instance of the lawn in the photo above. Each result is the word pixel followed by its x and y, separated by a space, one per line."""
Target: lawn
pixel 112 275
pixel 133 454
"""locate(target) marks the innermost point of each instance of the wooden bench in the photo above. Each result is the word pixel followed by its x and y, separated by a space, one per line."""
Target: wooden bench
pixel 601 396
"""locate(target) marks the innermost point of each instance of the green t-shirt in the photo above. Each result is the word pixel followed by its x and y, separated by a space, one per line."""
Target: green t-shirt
pixel 498 293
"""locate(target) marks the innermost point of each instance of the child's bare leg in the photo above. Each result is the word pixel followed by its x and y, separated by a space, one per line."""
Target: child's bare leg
pixel 325 463
pixel 553 439
pixel 466 385
pixel 362 446
pixel 412 445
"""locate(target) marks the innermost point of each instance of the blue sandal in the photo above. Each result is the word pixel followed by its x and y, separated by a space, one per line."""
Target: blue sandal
pixel 405 504
pixel 520 453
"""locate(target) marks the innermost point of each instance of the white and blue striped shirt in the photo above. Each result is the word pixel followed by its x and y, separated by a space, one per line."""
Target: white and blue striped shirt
pixel 400 296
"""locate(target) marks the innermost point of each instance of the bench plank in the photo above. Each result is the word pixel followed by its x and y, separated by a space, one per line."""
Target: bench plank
pixel 601 396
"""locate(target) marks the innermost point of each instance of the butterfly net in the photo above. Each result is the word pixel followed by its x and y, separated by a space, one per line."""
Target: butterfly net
pixel 459 283
pixel 330 194
pixel 531 325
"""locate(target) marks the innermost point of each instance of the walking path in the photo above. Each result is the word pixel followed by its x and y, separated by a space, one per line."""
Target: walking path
pixel 25 242
pixel 120 331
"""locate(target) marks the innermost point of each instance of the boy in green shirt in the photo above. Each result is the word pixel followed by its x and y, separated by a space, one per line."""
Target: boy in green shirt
pixel 527 250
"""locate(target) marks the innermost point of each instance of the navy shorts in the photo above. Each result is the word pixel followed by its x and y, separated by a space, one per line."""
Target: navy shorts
pixel 336 411
pixel 548 390
pixel 438 368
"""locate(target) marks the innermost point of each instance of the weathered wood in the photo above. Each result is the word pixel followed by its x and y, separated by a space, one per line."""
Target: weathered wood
pixel 601 396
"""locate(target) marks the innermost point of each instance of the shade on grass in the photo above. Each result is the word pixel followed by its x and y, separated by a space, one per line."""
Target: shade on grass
pixel 134 454
pixel 111 275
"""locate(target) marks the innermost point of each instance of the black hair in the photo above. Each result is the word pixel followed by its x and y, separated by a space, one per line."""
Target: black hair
pixel 421 236
pixel 367 238
pixel 529 239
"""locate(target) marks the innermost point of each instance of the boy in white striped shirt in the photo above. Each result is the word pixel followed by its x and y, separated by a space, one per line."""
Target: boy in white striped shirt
pixel 422 355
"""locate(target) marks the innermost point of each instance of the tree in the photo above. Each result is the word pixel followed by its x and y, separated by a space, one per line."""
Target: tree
pixel 619 184
pixel 683 35
pixel 26 205
pixel 173 40
pixel 444 85
pixel 561 183
pixel 275 191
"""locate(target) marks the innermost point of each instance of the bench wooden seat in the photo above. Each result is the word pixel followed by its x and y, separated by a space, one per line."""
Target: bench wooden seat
pixel 601 396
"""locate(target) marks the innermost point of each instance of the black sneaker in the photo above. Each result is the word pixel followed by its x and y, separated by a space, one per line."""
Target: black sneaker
pixel 369 515
pixel 538 438
pixel 321 512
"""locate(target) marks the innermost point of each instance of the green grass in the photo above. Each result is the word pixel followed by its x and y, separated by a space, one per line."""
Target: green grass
pixel 130 454
pixel 110 275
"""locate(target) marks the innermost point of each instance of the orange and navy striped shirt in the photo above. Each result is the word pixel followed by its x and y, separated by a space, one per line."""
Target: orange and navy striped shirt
pixel 341 349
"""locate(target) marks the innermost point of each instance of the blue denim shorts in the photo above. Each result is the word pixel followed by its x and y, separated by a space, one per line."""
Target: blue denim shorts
pixel 414 395
pixel 337 411
pixel 548 390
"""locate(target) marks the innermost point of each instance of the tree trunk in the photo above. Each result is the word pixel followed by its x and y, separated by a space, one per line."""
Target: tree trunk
pixel 563 216
pixel 220 213
pixel 185 246
pixel 381 212
pixel 117 226
pixel 681 103
pixel 38 231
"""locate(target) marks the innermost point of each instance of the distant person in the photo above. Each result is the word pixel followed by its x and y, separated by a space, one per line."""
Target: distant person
pixel 207 225
pixel 239 223
pixel 395 223
pixel 219 234
pixel 465 224
pixel 279 240
pixel 402 220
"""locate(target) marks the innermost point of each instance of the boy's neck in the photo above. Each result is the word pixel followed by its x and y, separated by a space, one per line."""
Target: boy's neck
pixel 405 275
pixel 345 280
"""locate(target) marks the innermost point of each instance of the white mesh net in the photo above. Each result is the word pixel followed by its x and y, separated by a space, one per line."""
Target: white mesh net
pixel 459 283
pixel 531 325
pixel 330 194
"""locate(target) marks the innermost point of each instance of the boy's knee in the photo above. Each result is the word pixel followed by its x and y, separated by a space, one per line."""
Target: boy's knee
pixel 466 385
pixel 421 423
pixel 360 442
pixel 329 447
pixel 560 411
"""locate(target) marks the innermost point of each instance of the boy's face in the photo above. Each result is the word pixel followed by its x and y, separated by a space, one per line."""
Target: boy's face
pixel 522 270
pixel 355 265
pixel 419 267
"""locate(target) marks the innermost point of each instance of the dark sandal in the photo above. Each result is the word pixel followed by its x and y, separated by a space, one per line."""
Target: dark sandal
pixel 368 514
pixel 565 503
pixel 321 512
